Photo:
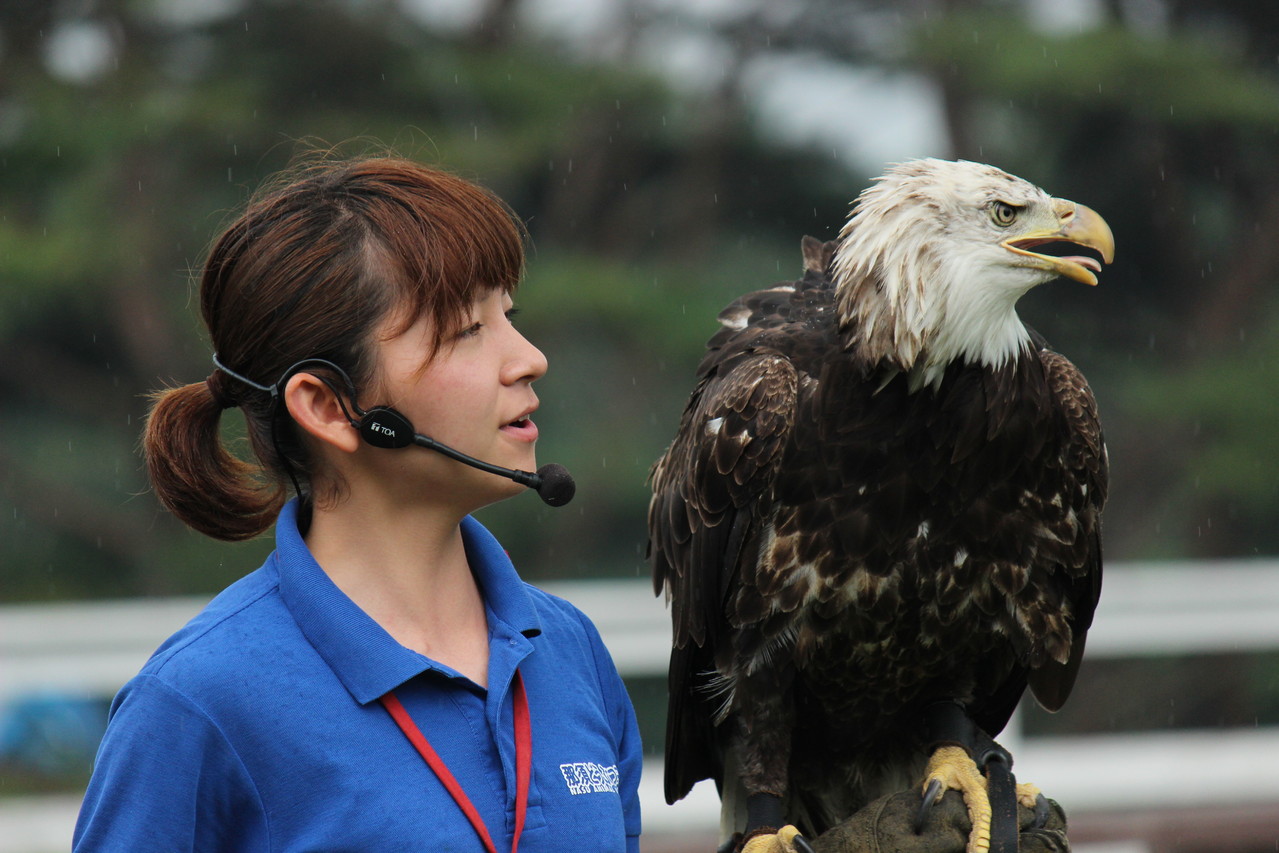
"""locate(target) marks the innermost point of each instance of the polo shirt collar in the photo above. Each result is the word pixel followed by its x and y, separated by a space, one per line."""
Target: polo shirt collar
pixel 505 595
pixel 364 657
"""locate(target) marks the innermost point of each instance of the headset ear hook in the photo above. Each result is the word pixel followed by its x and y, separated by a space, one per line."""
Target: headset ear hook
pixel 342 401
pixel 380 426
pixel 306 365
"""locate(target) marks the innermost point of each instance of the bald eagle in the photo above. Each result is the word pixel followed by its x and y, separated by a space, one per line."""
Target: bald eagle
pixel 885 492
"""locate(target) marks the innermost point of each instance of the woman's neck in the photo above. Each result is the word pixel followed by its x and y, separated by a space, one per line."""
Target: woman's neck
pixel 407 569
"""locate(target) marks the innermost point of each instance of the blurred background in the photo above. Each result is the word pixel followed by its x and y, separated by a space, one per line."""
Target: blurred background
pixel 666 157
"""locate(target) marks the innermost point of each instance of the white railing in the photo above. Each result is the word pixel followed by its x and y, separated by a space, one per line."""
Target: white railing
pixel 1146 610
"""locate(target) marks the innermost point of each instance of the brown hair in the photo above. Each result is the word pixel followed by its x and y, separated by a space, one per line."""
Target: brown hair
pixel 320 258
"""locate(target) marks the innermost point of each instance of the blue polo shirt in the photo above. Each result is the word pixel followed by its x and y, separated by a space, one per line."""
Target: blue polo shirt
pixel 257 727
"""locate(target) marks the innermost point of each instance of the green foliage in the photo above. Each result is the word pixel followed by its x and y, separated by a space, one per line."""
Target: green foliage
pixel 111 189
pixel 1215 412
pixel 1180 80
pixel 648 210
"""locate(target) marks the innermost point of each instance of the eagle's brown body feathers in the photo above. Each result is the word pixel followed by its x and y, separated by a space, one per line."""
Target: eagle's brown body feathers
pixel 841 547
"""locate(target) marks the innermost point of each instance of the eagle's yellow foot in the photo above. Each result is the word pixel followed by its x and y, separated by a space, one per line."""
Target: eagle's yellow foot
pixel 951 768
pixel 1028 795
pixel 785 840
pixel 1031 797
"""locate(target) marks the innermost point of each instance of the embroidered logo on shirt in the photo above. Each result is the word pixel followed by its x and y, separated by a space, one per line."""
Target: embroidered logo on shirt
pixel 587 777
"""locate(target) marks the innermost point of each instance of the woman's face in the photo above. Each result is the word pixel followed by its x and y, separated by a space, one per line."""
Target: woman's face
pixel 476 396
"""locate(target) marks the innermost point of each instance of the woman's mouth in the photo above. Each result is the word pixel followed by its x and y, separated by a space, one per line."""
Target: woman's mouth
pixel 522 428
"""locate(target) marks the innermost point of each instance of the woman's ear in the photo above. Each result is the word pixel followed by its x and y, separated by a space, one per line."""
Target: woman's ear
pixel 317 410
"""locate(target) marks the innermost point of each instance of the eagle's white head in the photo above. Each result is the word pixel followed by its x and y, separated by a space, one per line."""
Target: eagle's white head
pixel 936 254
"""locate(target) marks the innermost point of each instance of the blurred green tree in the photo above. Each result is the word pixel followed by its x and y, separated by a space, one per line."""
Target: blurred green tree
pixel 130 129
pixel 114 177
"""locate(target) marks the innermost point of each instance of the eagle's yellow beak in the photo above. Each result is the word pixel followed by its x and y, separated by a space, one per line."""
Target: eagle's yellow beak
pixel 1078 224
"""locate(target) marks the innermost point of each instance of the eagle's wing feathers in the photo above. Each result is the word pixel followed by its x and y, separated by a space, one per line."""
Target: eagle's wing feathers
pixel 706 485
pixel 710 490
pixel 1086 467
pixel 707 488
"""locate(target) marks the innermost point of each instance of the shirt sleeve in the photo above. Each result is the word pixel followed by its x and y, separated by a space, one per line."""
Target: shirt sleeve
pixel 166 779
pixel 630 751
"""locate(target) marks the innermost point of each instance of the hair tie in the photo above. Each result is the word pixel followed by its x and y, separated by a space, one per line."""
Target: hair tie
pixel 218 390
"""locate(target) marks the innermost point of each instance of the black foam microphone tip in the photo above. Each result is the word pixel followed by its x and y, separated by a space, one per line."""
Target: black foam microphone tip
pixel 557 487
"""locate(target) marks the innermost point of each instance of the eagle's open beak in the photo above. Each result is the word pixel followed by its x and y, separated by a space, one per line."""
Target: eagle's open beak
pixel 1080 225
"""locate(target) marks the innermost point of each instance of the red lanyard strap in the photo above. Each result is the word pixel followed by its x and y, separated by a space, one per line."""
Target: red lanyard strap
pixel 523 763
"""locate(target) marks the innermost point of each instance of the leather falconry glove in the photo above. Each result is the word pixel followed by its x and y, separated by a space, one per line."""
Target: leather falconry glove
pixel 887 826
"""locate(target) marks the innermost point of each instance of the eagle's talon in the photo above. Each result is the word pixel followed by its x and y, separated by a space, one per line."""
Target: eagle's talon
pixel 931 794
pixel 1042 812
pixel 786 839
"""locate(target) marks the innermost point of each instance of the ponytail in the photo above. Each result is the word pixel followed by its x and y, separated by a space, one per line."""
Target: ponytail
pixel 193 474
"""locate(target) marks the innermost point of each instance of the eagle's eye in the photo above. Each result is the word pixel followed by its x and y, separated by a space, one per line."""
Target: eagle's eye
pixel 1003 213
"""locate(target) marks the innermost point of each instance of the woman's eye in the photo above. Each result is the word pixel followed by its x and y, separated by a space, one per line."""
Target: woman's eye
pixel 1003 213
pixel 471 330
pixel 511 314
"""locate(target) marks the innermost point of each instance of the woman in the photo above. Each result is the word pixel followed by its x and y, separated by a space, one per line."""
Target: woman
pixel 300 709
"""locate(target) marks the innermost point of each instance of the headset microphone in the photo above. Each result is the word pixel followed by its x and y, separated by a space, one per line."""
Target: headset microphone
pixel 382 426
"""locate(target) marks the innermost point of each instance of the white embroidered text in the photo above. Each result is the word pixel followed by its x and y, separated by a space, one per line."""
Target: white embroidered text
pixel 587 777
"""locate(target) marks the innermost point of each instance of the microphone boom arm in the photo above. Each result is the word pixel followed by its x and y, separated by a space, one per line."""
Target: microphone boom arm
pixel 524 478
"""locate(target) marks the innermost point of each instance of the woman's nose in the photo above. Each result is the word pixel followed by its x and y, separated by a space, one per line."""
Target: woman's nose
pixel 527 361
